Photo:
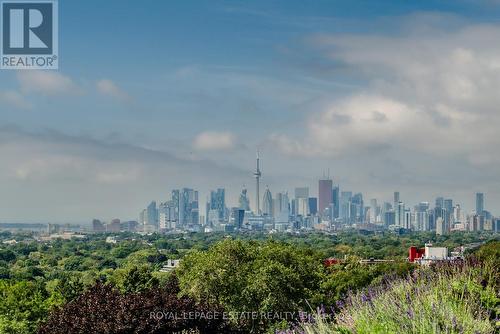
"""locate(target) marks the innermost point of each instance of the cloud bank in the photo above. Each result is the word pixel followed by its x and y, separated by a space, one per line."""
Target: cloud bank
pixel 434 93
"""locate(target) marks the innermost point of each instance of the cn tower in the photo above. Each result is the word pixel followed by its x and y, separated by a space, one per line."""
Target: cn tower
pixel 257 175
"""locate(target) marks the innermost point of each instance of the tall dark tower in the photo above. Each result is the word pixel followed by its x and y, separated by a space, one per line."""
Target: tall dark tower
pixel 325 195
pixel 257 175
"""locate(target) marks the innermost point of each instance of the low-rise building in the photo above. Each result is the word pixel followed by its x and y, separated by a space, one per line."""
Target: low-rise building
pixel 430 254
pixel 170 265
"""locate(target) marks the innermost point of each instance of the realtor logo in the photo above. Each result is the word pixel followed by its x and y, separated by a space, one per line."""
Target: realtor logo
pixel 29 34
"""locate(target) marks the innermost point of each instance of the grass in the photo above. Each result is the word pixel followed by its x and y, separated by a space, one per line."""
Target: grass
pixel 450 298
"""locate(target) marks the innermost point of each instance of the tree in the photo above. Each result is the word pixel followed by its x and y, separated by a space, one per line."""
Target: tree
pixel 23 304
pixel 103 309
pixel 351 276
pixel 252 277
pixel 7 255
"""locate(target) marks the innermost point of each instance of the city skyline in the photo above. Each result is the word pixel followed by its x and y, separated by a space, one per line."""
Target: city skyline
pixel 388 96
pixel 330 204
pixel 331 210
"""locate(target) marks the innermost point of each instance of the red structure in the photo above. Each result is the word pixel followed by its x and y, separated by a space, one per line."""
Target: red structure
pixel 330 261
pixel 415 253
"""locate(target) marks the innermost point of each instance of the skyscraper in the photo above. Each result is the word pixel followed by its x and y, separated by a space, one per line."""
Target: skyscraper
pixel 218 203
pixel 479 203
pixel 400 214
pixel 422 216
pixel 476 223
pixel 237 216
pixel 267 203
pixel 175 205
pixel 142 217
pixel 302 192
pixel 422 207
pixel 336 201
pixel 345 205
pixel 448 205
pixel 441 226
pixel 313 205
pixel 243 201
pixel 397 199
pixel 188 207
pixel 164 215
pixel 302 206
pixel 257 175
pixel 457 214
pixel 152 215
pixel 325 195
pixel 389 218
pixel 440 202
pixel 408 221
pixel 386 207
pixel 374 210
pixel 422 221
pixel 281 207
pixel 439 212
pixel 299 207
pixel 357 209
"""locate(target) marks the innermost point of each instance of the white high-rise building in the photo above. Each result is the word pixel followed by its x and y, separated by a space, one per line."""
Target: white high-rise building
pixel 457 214
pixel 441 226
pixel 422 221
pixel 302 206
pixel 281 208
pixel 408 221
pixel 400 214
pixel 374 210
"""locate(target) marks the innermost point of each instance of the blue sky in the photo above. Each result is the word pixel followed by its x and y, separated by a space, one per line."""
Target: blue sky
pixel 152 95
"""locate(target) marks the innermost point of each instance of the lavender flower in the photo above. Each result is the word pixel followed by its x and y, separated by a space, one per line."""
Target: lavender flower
pixel 365 298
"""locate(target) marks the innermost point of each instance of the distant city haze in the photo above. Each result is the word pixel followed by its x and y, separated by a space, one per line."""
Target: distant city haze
pixel 387 97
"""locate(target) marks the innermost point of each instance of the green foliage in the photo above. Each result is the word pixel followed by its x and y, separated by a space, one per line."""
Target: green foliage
pixel 351 275
pixel 134 279
pixel 252 277
pixel 68 286
pixel 7 255
pixel 126 248
pixel 490 252
pixel 23 304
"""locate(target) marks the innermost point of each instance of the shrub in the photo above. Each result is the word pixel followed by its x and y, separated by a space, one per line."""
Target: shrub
pixel 450 298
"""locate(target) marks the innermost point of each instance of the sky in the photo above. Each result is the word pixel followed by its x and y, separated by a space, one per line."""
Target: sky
pixel 156 95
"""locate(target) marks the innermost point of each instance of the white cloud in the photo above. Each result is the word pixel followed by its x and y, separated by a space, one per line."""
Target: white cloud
pixel 109 88
pixel 47 83
pixel 434 93
pixel 15 99
pixel 211 141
